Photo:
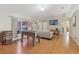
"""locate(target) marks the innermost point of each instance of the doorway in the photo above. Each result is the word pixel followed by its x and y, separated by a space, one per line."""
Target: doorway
pixel 17 27
pixel 66 34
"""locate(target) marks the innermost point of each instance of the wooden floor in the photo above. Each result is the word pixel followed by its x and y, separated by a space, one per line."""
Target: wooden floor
pixel 54 46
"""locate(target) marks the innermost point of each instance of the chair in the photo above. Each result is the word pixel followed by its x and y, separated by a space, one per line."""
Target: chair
pixel 6 37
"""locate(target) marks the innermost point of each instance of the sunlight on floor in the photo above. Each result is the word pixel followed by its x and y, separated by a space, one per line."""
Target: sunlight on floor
pixel 66 40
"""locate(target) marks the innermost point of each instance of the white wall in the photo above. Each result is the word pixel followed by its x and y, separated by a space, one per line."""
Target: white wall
pixel 5 22
pixel 40 26
pixel 45 26
pixel 75 30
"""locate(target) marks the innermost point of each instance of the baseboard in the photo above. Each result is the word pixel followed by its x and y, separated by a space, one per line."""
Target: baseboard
pixel 74 40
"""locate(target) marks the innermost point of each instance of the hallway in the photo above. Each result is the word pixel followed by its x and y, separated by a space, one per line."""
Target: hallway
pixel 54 46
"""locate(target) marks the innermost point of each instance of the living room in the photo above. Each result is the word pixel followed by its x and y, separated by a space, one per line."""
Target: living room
pixel 46 28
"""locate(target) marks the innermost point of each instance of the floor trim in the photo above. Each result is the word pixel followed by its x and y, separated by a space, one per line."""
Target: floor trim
pixel 74 40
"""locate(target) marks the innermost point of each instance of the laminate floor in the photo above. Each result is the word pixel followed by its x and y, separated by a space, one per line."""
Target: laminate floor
pixel 55 46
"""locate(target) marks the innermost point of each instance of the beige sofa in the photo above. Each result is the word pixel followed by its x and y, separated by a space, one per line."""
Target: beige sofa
pixel 45 34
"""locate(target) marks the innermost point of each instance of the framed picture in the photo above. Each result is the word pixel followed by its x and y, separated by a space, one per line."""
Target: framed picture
pixel 74 21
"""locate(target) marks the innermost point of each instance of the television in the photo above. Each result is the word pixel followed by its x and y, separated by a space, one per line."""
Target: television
pixel 53 22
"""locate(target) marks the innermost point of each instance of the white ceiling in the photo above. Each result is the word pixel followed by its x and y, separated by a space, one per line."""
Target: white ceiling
pixel 34 9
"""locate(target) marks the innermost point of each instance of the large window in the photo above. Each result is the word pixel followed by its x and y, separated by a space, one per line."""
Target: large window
pixel 53 22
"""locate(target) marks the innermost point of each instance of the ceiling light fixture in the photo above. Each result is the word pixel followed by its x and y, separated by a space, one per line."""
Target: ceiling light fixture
pixel 42 9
